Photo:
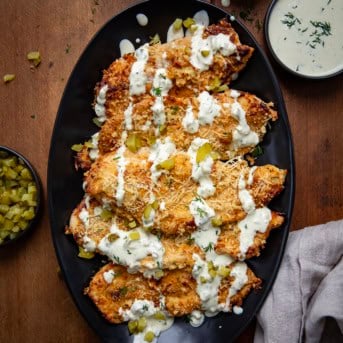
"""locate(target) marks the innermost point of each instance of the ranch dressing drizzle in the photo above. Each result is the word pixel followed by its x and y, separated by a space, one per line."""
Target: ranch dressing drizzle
pixel 201 171
pixel 147 309
pixel 128 252
pixel 99 107
pixel 138 78
pixel 189 122
pixel 244 195
pixel 126 47
pixel 196 318
pixel 256 221
pixel 207 287
pixel 121 166
pixel 87 243
pixel 109 276
pixel 142 19
pixel 160 152
pixel 239 272
pixel 204 49
pixel 94 151
pixel 128 116
pixel 208 108
pixel 242 135
pixel 307 35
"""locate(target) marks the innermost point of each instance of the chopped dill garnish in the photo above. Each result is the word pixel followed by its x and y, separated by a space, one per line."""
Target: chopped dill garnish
pixel 290 20
pixel 209 247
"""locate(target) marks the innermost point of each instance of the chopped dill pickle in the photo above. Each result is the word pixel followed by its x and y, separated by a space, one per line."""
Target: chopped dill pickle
pixel 134 236
pixel 141 324
pixel 149 336
pixel 154 205
pixel 133 142
pixel 159 274
pixel 203 152
pixel 9 77
pixel 159 316
pixel 105 214
pixel 187 23
pixel 155 39
pixel 132 326
pixel 163 129
pixel 147 211
pixel 85 254
pixel 215 155
pixel 213 273
pixel 167 164
pixel 96 121
pixel 89 145
pixel 205 53
pixel 216 221
pixel 177 24
pixel 77 147
pixel 34 57
pixel 112 237
pixel 203 279
pixel 224 271
pixel 132 224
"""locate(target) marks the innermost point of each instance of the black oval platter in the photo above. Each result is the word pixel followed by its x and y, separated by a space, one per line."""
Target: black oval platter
pixel 74 124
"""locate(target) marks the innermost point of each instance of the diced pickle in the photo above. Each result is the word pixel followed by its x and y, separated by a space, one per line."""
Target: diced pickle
pixel 167 164
pixel 134 236
pixel 132 224
pixel 141 324
pixel 213 273
pixel 89 145
pixel 203 152
pixel 77 147
pixel 149 336
pixel 112 237
pixel 203 279
pixel 177 24
pixel 187 23
pixel 159 273
pixel 9 77
pixel 132 325
pixel 216 221
pixel 147 211
pixel 154 205
pixel 205 53
pixel 85 254
pixel 106 214
pixel 133 142
pixel 224 271
pixel 159 316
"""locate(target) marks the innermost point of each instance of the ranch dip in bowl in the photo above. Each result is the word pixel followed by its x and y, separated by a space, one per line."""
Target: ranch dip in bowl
pixel 306 36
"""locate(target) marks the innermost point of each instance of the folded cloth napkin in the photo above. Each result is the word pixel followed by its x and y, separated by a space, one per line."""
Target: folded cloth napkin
pixel 306 301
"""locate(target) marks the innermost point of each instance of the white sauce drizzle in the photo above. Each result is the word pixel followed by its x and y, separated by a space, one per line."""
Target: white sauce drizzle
pixel 225 3
pixel 127 252
pixel 201 18
pixel 173 34
pixel 160 152
pixel 94 151
pixel 161 82
pixel 189 122
pixel 87 243
pixel 147 309
pixel 212 45
pixel 121 166
pixel 126 47
pixel 208 108
pixel 99 107
pixel 138 77
pixel 201 171
pixel 207 291
pixel 244 195
pixel 242 135
pixel 109 276
pixel 239 272
pixel 196 318
pixel 256 221
pixel 237 310
pixel 142 19
pixel 128 117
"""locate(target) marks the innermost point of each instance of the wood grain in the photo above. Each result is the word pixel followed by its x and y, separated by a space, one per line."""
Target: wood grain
pixel 34 302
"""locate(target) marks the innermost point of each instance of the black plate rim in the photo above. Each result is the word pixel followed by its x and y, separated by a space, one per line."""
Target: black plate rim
pixel 291 171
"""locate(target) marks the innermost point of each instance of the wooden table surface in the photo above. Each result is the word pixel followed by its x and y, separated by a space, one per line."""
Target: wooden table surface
pixel 35 305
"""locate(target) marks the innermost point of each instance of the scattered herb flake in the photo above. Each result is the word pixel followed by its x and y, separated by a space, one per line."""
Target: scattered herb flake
pixel 209 247
pixel 67 49
pixel 33 116
pixel 157 91
pixel 290 20
pixel 258 151
pixel 123 291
